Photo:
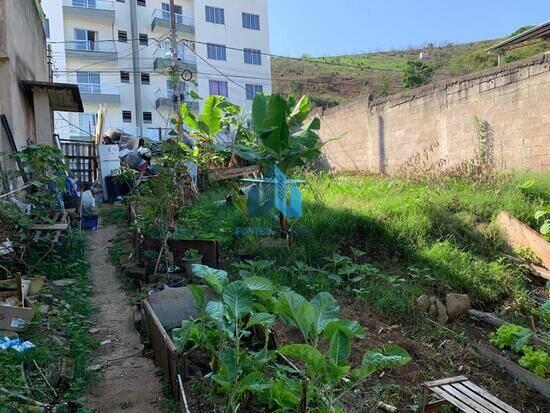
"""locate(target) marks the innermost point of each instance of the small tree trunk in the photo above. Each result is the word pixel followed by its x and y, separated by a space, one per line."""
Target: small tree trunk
pixel 282 225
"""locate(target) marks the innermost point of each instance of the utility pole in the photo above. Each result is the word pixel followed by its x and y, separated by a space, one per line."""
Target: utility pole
pixel 175 68
pixel 50 63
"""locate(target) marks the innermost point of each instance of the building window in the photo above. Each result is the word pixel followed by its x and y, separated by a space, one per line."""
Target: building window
pixel 145 79
pixel 121 1
pixel 127 116
pixel 143 39
pixel 253 56
pixel 124 77
pixel 253 90
pixel 147 117
pixel 142 3
pixel 123 36
pixel 215 15
pixel 178 11
pixel 216 51
pixel 47 28
pixel 88 82
pixel 85 39
pixel 251 21
pixel 218 88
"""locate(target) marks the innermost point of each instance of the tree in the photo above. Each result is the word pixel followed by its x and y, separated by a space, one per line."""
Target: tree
pixel 384 87
pixel 416 74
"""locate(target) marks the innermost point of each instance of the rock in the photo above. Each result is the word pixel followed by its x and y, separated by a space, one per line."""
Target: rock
pixel 105 342
pixel 432 309
pixel 423 303
pixel 457 304
pixel 442 317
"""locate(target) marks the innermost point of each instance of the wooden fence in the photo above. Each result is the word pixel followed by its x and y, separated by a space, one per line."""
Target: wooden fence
pixel 82 159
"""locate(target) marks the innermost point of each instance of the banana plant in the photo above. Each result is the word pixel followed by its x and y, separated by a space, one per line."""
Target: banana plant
pixel 329 374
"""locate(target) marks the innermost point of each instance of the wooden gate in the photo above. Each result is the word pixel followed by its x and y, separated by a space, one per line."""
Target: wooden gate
pixel 82 159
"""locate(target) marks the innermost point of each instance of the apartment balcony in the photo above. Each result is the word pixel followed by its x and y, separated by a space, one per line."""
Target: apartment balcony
pixel 161 21
pixel 97 93
pixel 163 62
pixel 88 50
pixel 163 100
pixel 98 10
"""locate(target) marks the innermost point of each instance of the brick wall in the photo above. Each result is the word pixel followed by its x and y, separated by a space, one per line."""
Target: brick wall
pixel 513 101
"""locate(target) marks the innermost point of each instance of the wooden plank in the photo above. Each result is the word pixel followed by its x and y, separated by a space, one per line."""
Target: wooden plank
pixel 453 400
pixel 462 388
pixel 507 408
pixel 444 381
pixel 520 236
pixel 472 399
pixel 49 227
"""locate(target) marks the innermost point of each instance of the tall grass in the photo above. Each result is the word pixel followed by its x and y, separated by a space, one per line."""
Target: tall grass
pixel 445 231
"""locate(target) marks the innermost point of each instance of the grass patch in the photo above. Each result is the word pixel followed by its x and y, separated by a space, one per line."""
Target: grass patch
pixel 59 330
pixel 437 238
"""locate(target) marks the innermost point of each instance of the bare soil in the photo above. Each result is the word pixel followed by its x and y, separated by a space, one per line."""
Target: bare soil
pixel 435 355
pixel 129 383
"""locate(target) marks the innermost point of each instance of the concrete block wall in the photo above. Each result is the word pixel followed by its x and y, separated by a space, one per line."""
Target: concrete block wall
pixel 513 101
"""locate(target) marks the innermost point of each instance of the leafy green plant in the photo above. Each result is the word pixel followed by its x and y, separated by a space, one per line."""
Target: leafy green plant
pixel 511 336
pixel 191 254
pixel 543 311
pixel 329 375
pixel 543 217
pixel 537 361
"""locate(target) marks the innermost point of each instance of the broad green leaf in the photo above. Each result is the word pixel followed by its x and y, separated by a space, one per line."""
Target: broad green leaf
pixel 539 214
pixel 545 228
pixel 375 360
pixel 296 310
pixel 259 284
pixel 238 298
pixel 199 297
pixel 216 310
pixel 263 319
pixel 259 111
pixel 187 117
pixel 351 328
pixel 215 283
pixel 340 348
pixel 335 372
pixel 200 271
pixel 309 354
pixel 300 112
pixel 286 393
pixel 211 115
pixel 275 127
pixel 255 381
pixel 326 310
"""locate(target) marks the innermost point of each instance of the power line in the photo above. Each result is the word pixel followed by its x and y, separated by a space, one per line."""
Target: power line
pixel 215 68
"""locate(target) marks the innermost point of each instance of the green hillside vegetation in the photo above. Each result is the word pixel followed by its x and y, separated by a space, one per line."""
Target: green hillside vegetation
pixel 381 73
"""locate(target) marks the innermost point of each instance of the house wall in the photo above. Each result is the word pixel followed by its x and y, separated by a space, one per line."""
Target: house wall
pixel 438 119
pixel 22 57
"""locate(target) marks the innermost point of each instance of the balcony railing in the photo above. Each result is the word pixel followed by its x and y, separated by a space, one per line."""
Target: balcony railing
pixel 99 89
pixel 90 46
pixel 163 60
pixel 164 98
pixel 161 18
pixel 90 4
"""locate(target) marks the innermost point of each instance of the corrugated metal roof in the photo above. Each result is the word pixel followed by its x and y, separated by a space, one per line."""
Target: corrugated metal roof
pixel 541 31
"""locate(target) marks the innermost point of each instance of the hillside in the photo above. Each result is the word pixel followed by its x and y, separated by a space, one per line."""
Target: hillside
pixel 328 85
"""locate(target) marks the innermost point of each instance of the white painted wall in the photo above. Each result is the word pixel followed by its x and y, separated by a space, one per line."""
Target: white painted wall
pixel 232 34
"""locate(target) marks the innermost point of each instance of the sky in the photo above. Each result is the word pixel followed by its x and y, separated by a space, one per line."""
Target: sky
pixel 333 27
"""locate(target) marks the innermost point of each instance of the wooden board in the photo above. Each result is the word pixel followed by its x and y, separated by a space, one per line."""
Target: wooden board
pixel 49 227
pixel 222 174
pixel 520 236
pixel 465 395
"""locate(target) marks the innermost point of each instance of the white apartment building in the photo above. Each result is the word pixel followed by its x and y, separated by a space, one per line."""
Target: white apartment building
pixel 119 53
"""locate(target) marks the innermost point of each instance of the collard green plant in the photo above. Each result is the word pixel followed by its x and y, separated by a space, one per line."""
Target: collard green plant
pixel 543 217
pixel 543 311
pixel 511 336
pixel 330 373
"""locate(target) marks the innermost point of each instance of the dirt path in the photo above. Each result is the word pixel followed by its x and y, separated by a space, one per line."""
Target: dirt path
pixel 129 383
